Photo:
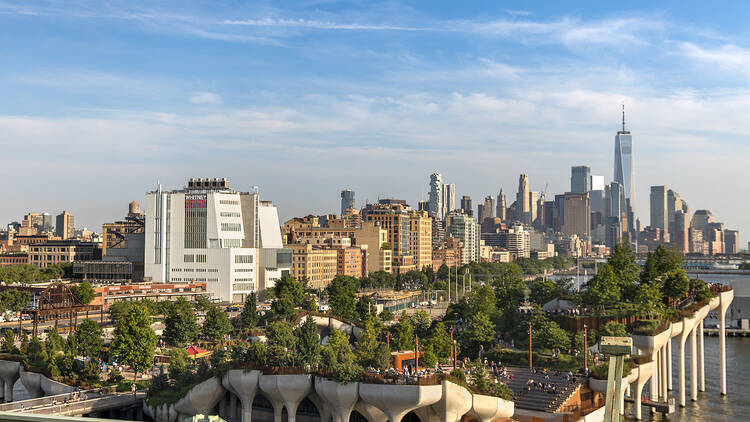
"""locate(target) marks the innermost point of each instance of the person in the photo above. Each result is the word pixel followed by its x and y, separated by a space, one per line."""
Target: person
pixel 133 388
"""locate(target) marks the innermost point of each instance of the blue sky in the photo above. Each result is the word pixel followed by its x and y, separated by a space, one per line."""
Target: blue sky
pixel 102 99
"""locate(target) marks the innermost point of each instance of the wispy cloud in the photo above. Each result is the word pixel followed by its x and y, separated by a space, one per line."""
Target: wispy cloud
pixel 728 56
pixel 315 24
pixel 205 98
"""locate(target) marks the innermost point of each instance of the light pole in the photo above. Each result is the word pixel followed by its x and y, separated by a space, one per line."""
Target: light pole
pixel 585 349
pixel 531 363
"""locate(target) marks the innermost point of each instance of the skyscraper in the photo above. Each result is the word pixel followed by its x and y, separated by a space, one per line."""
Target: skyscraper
pixel 488 209
pixel 624 173
pixel 347 200
pixel 449 198
pixel 522 199
pixel 580 179
pixel 64 225
pixel 502 207
pixel 659 217
pixel 436 196
pixel 577 218
pixel 466 205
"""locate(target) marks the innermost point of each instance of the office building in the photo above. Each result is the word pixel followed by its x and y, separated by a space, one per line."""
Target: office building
pixel 64 226
pixel 347 201
pixel 659 217
pixel 502 208
pixel 522 200
pixel 55 252
pixel 577 217
pixel 624 173
pixel 449 198
pixel 466 230
pixel 466 205
pixel 580 179
pixel 420 238
pixel 533 207
pixel 208 232
pixel 560 207
pixel 314 264
pixel 680 233
pixel 731 242
pixel 488 208
pixel 436 196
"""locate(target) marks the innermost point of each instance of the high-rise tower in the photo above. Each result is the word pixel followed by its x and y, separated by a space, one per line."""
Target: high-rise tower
pixel 624 173
pixel 522 199
pixel 436 196
pixel 347 200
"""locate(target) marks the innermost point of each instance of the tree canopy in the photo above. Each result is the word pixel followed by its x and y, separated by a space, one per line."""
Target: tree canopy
pixel 134 341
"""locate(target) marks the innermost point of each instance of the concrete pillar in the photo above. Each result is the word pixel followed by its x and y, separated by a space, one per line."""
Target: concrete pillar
pixel 669 365
pixel 665 372
pixel 693 365
pixel 723 348
pixel 637 401
pixel 681 345
pixel 701 359
pixel 233 411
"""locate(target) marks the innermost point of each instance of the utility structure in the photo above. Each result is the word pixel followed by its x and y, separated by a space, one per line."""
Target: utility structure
pixel 617 348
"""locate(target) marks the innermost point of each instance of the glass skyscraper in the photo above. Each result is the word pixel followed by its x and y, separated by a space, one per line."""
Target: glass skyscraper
pixel 624 174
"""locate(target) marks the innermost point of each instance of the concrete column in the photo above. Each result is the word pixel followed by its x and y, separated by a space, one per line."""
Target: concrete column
pixel 637 401
pixel 681 345
pixel 653 384
pixel 669 365
pixel 723 348
pixel 665 372
pixel 701 359
pixel 233 411
pixel 693 365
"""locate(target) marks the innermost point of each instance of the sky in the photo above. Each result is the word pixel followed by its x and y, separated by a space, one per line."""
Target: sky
pixel 102 100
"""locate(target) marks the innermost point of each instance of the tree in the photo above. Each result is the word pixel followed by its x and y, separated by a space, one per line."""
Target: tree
pixel 365 308
pixel 604 289
pixel 660 263
pixel 8 344
pixel 134 341
pixel 676 284
pixel 308 343
pixel 217 324
pixel 542 291
pixel 202 303
pixel 341 296
pixel 440 341
pixel 54 344
pixel 36 354
pixel 700 290
pixel 386 316
pixel 613 329
pixel 180 324
pixel 118 310
pixel 367 345
pixel 90 339
pixel 626 269
pixel 442 272
pixel 14 299
pixel 249 316
pixel 421 322
pixel 83 292
pixel 338 358
pixel 291 289
pixel 549 335
pixel 482 300
pixel 480 332
pixel 282 344
pixel 648 298
pixel 403 334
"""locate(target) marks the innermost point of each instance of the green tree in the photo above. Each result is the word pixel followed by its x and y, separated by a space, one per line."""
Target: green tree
pixel 291 289
pixel 386 316
pixel 338 358
pixel 442 272
pixel 202 303
pixel 134 341
pixel 648 299
pixel 440 341
pixel 249 316
pixel 660 263
pixel 217 324
pixel 36 354
pixel 676 284
pixel 342 296
pixel 366 349
pixel 90 339
pixel 480 332
pixel 83 292
pixel 482 300
pixel 308 343
pixel 118 310
pixel 700 290
pixel 549 335
pixel 180 323
pixel 403 334
pixel 626 269
pixel 282 344
pixel 365 308
pixel 8 344
pixel 55 343
pixel 542 291
pixel 421 322
pixel 613 329
pixel 14 299
pixel 604 288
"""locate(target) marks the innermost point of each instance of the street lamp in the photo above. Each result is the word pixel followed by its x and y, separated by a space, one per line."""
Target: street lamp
pixel 531 364
pixel 585 349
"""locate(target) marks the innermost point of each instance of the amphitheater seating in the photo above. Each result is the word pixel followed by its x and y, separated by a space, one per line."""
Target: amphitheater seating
pixel 537 399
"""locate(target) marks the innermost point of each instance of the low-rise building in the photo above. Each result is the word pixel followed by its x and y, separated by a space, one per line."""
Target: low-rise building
pixel 315 264
pixel 13 259
pixel 63 252
pixel 106 295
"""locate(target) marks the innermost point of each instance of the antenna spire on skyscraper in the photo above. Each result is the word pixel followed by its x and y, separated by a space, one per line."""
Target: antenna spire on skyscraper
pixel 623 116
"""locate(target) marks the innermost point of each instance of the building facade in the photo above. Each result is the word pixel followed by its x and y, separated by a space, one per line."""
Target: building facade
pixel 208 232
pixel 64 226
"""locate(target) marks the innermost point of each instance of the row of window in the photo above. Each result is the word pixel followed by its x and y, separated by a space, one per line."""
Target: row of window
pixel 230 214
pixel 243 270
pixel 231 227
pixel 194 258
pixel 244 286
pixel 243 259
pixel 197 270
pixel 228 202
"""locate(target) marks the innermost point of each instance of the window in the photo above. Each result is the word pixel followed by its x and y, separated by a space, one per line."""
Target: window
pixel 244 286
pixel 231 227
pixel 200 258
pixel 230 214
pixel 243 270
pixel 228 202
pixel 189 258
pixel 243 259
pixel 231 243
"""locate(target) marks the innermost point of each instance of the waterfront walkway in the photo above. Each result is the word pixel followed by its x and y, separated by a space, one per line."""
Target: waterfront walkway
pixel 64 404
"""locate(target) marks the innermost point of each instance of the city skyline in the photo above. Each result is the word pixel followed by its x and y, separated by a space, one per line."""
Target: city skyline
pixel 271 96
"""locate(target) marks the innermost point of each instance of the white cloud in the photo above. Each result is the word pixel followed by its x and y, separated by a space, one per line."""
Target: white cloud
pixel 205 98
pixel 316 24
